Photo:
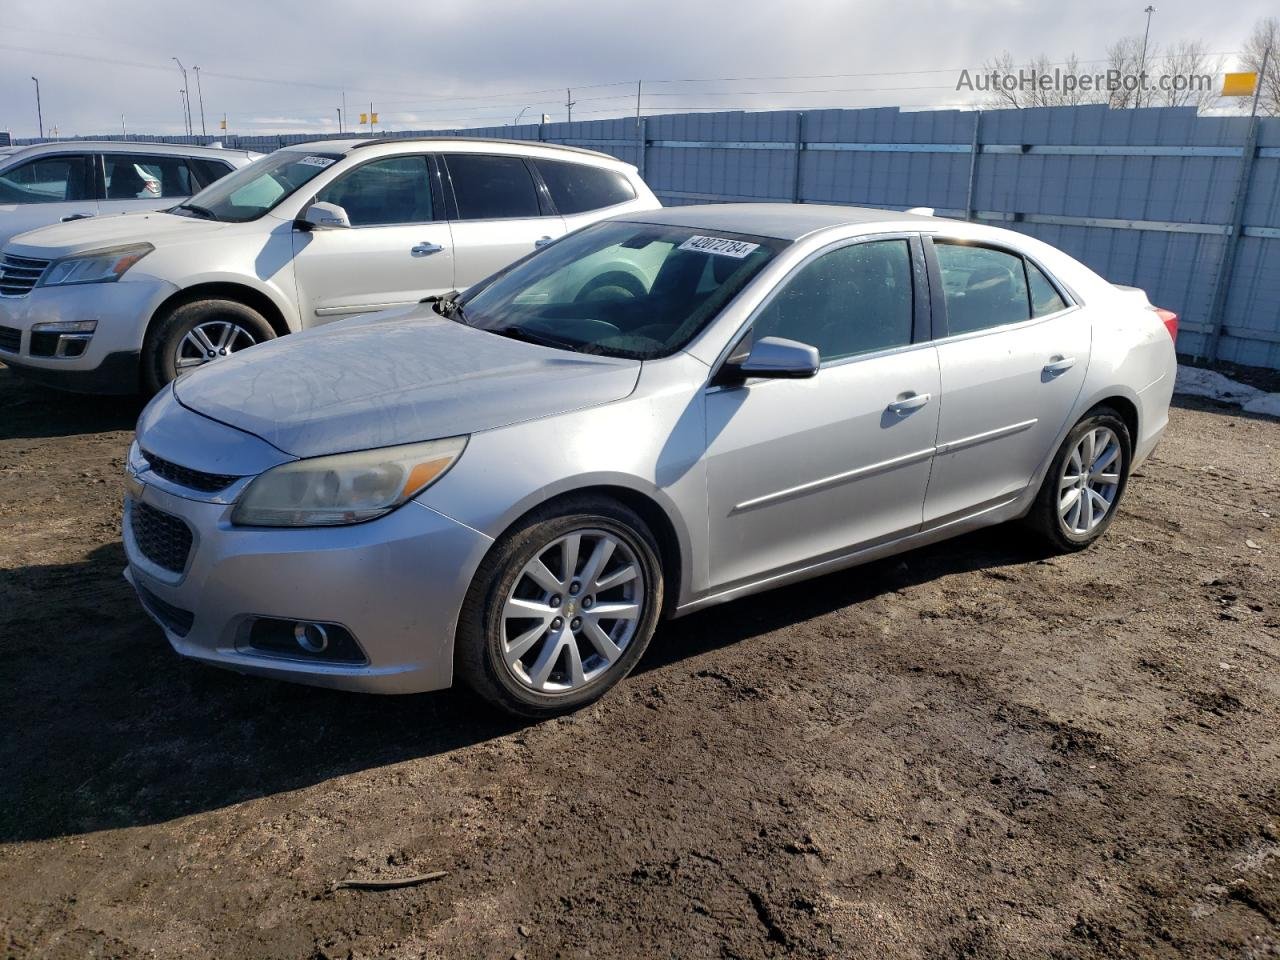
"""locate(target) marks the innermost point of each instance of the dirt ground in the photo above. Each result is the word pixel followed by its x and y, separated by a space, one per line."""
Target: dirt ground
pixel 975 750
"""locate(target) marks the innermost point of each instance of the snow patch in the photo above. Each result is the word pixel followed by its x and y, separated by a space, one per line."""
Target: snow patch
pixel 1199 382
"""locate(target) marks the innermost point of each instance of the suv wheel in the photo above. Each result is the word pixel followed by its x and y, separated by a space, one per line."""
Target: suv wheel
pixel 561 609
pixel 196 333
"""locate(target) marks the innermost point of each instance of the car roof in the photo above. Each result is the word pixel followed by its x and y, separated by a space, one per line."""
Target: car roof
pixel 444 142
pixel 782 221
pixel 129 146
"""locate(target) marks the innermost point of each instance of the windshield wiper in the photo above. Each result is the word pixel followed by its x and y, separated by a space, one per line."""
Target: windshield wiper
pixel 446 304
pixel 541 339
pixel 201 211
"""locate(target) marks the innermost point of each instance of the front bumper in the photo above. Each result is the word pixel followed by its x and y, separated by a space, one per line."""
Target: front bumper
pixel 396 583
pixel 109 363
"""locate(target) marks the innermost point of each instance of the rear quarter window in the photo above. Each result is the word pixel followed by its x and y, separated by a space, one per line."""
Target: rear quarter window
pixel 578 188
pixel 208 171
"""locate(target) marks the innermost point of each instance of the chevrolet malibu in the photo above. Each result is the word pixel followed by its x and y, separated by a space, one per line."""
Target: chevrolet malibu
pixel 654 415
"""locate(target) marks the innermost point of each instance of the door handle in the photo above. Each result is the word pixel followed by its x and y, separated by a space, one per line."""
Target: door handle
pixel 425 249
pixel 543 241
pixel 76 216
pixel 907 404
pixel 1059 365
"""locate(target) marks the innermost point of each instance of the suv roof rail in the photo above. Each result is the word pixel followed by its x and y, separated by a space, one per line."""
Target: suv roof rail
pixel 518 143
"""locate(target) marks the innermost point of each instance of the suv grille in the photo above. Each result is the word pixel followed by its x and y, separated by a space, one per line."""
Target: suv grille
pixel 161 537
pixel 186 477
pixel 19 274
pixel 10 339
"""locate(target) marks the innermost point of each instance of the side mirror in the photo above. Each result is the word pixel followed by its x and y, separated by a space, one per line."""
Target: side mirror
pixel 776 358
pixel 326 216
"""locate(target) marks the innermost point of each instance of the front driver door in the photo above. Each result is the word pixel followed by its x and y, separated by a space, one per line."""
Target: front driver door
pixel 803 470
pixel 398 249
pixel 46 190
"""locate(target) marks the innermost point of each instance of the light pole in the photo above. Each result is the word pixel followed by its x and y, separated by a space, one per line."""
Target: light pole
pixel 182 101
pixel 186 99
pixel 39 112
pixel 1142 64
pixel 200 94
pixel 516 121
pixel 339 109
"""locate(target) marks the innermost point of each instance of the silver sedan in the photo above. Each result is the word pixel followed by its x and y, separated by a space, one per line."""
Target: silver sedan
pixel 653 415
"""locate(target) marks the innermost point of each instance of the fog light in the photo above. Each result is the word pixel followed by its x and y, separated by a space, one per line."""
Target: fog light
pixel 311 637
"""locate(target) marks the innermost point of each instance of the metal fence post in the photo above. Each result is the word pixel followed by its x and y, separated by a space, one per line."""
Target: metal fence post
pixel 643 145
pixel 973 165
pixel 797 194
pixel 1222 283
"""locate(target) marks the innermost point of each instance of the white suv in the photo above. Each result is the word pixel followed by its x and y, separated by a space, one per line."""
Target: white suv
pixel 75 179
pixel 306 235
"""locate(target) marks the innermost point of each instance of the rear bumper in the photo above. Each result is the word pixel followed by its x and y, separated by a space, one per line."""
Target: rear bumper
pixel 396 584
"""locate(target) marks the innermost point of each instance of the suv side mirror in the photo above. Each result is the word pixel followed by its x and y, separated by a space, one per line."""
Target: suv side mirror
pixel 326 216
pixel 776 358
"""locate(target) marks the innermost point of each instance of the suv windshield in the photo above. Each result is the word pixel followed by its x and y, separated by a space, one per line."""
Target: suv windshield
pixel 253 190
pixel 621 289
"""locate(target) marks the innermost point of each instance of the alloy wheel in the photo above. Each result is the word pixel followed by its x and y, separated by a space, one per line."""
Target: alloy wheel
pixel 572 611
pixel 1090 481
pixel 209 341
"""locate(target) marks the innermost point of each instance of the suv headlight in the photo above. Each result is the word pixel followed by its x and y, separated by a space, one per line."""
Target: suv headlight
pixel 97 266
pixel 344 488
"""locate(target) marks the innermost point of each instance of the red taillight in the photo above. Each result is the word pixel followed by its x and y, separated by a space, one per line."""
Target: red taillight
pixel 1170 321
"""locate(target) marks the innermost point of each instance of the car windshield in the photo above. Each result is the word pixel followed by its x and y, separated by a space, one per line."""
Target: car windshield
pixel 621 289
pixel 252 190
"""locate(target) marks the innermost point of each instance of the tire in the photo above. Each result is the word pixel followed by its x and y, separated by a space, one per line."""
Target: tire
pixel 1074 530
pixel 165 340
pixel 485 634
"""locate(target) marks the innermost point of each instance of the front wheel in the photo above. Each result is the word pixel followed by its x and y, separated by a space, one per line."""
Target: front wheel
pixel 196 333
pixel 1081 492
pixel 561 609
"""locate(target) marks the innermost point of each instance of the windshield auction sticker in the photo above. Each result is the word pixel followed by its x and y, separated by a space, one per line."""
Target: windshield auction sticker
pixel 720 245
pixel 317 161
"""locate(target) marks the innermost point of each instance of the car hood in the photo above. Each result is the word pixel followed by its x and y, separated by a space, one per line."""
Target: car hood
pixel 78 236
pixel 396 377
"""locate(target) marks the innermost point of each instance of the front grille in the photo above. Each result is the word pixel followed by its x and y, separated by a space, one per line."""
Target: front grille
pixel 10 339
pixel 161 537
pixel 186 477
pixel 175 619
pixel 19 274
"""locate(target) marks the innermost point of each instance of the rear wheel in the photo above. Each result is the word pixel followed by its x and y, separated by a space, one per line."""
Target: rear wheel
pixel 561 609
pixel 1082 490
pixel 196 333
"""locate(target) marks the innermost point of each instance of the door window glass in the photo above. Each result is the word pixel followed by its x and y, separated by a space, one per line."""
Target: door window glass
pixel 983 287
pixel 490 187
pixel 384 192
pixel 136 176
pixel 853 300
pixel 47 180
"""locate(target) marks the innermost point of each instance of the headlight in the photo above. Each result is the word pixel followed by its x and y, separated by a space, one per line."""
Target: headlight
pixel 100 266
pixel 345 488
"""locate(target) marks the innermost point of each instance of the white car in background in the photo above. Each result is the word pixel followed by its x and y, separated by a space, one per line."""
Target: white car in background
pixel 309 234
pixel 70 180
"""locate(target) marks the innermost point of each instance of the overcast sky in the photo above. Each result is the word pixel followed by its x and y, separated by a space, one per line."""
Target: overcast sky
pixel 283 65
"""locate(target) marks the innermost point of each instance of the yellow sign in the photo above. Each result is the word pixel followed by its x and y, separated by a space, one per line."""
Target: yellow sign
pixel 375 119
pixel 364 118
pixel 224 124
pixel 1239 84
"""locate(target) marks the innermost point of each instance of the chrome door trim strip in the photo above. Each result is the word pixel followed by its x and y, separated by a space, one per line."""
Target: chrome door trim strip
pixel 953 445
pixel 834 480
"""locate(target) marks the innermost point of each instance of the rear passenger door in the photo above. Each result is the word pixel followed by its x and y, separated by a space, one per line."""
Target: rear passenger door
pixel 499 213
pixel 140 181
pixel 1013 356
pixel 397 250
